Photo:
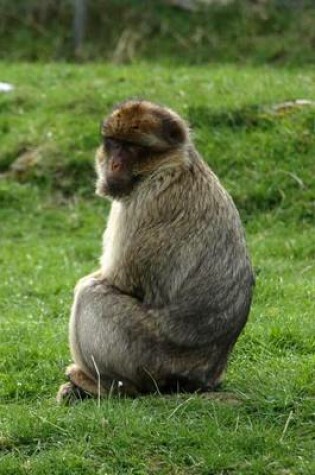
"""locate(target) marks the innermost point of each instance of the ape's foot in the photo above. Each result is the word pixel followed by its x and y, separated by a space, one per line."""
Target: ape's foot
pixel 80 379
pixel 69 394
pixel 79 387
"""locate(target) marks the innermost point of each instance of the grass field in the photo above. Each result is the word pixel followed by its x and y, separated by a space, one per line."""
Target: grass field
pixel 51 227
pixel 277 32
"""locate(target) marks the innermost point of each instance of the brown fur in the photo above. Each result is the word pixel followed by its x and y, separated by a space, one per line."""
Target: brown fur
pixel 175 284
pixel 146 124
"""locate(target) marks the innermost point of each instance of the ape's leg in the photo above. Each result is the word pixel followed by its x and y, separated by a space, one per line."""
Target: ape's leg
pixel 117 343
pixel 106 355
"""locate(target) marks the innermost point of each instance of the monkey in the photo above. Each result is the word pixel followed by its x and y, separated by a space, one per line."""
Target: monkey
pixel 175 284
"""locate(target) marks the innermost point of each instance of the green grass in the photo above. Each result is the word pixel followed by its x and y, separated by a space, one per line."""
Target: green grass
pixel 278 32
pixel 51 227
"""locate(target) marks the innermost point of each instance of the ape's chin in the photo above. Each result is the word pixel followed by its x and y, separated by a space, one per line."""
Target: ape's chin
pixel 115 188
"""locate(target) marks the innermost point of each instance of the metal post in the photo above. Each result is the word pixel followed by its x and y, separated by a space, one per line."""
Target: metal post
pixel 79 24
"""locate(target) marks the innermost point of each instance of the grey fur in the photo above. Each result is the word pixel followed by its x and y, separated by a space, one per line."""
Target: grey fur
pixel 175 286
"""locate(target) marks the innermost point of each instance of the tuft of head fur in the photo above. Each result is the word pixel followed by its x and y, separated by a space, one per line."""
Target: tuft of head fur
pixel 146 124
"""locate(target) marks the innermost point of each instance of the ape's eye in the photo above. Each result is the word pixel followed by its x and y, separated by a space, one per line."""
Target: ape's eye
pixel 110 144
pixel 129 147
pixel 132 148
pixel 121 146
